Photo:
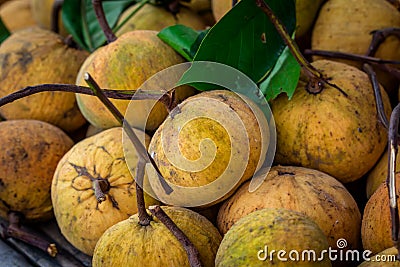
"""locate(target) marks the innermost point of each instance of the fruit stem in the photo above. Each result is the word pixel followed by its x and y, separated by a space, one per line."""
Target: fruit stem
pixel 315 77
pixel 140 149
pixel 378 96
pixel 99 189
pixel 144 217
pixel 116 94
pixel 391 176
pixel 349 56
pixel 101 17
pixel 55 14
pixel 191 250
pixel 14 230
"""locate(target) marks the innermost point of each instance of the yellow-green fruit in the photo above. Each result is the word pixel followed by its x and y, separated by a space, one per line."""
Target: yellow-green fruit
pixel 126 64
pixel 319 196
pixel 378 174
pixel 91 130
pixel 42 13
pixel 252 240
pixel 29 153
pixel 35 56
pixel 383 258
pixel 351 32
pixel 214 136
pixel 329 131
pixel 17 14
pixel 129 244
pixel 376 222
pixel 306 11
pixel 156 18
pixel 94 165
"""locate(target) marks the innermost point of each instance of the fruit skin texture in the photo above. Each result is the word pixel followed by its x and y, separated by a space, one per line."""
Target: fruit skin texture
pixel 378 174
pixel 279 229
pixel 82 220
pixel 156 18
pixel 35 56
pixel 352 31
pixel 376 232
pixel 319 196
pixel 29 153
pixel 129 244
pixel 193 132
pixel 17 15
pixel 126 64
pixel 337 134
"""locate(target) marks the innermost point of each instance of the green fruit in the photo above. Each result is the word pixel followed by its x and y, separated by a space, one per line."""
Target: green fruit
pixel 129 244
pixel 253 238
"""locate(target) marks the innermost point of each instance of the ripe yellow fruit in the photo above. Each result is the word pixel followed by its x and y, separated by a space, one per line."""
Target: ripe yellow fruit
pixel 252 239
pixel 97 162
pixel 329 131
pixel 126 64
pixel 129 244
pixel 319 196
pixel 29 153
pixel 35 56
pixel 42 13
pixel 17 15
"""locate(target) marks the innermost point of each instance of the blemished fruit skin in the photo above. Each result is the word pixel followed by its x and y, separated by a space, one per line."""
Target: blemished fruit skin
pixel 30 151
pixel 17 15
pixel 204 107
pixel 329 131
pixel 129 244
pixel 156 18
pixel 319 196
pixel 126 64
pixel 251 240
pixel 351 32
pixel 376 231
pixel 81 219
pixel 36 56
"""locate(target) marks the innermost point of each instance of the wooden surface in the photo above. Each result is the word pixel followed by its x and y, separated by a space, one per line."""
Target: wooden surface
pixel 17 253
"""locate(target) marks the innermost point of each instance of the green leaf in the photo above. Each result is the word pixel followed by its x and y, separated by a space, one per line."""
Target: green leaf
pixel 80 20
pixel 283 77
pixel 246 39
pixel 183 39
pixel 4 32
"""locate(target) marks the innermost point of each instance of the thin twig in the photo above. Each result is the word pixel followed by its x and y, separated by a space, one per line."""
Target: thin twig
pixel 378 96
pixel 391 177
pixel 349 56
pixel 191 250
pixel 144 217
pixel 140 149
pixel 55 14
pixel 116 94
pixel 14 230
pixel 379 36
pixel 101 17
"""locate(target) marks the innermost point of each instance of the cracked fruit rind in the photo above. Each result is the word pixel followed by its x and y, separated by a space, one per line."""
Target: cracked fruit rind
pixel 82 220
pixel 126 64
pixel 272 230
pixel 318 195
pixel 329 131
pixel 129 244
pixel 29 153
pixel 36 56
